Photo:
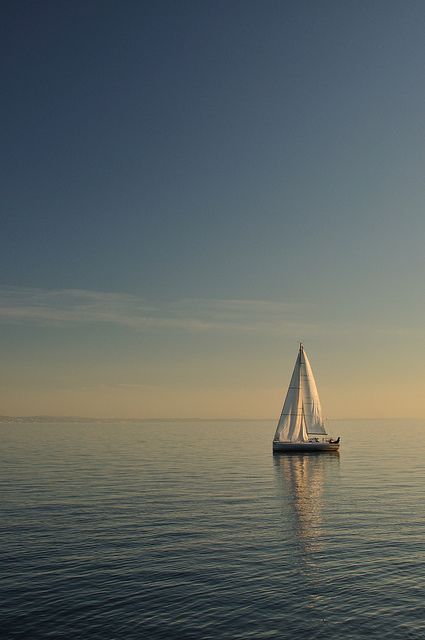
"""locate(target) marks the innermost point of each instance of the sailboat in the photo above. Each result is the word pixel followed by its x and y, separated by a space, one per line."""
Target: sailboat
pixel 301 427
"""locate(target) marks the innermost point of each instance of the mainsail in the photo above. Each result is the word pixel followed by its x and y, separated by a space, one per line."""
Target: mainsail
pixel 311 402
pixel 301 414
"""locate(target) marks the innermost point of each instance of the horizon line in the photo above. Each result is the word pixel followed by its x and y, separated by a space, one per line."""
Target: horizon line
pixel 71 418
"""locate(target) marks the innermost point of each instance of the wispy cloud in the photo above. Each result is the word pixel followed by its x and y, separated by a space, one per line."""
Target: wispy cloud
pixel 70 306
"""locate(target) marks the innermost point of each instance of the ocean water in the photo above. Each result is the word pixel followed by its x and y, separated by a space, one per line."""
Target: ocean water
pixel 196 531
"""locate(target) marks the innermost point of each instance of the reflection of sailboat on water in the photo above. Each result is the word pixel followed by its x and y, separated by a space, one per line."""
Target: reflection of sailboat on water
pixel 301 480
pixel 301 427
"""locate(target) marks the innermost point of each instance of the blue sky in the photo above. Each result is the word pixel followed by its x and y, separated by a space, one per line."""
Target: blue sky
pixel 189 188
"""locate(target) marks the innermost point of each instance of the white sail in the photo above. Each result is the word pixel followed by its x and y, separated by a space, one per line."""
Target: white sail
pixel 292 426
pixel 302 413
pixel 311 403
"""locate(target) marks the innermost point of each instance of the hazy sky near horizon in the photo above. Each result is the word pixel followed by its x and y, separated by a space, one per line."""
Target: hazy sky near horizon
pixel 190 188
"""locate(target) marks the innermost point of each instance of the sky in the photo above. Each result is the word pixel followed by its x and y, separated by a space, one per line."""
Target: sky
pixel 191 188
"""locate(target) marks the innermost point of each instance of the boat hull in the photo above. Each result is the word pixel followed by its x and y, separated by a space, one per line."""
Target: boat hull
pixel 304 447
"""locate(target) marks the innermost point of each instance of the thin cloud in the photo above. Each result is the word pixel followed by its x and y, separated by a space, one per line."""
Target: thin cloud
pixel 78 306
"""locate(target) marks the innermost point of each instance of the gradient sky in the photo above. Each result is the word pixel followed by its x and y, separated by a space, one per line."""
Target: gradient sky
pixel 190 188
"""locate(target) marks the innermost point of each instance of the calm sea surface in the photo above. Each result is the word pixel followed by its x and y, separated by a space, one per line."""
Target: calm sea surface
pixel 196 531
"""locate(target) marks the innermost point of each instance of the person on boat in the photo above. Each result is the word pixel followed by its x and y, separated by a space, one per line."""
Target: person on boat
pixel 332 441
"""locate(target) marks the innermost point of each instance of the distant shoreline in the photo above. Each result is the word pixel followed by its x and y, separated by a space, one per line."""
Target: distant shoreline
pixel 86 419
pixel 82 419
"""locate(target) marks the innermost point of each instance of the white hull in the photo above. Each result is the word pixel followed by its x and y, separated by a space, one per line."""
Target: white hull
pixel 306 447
